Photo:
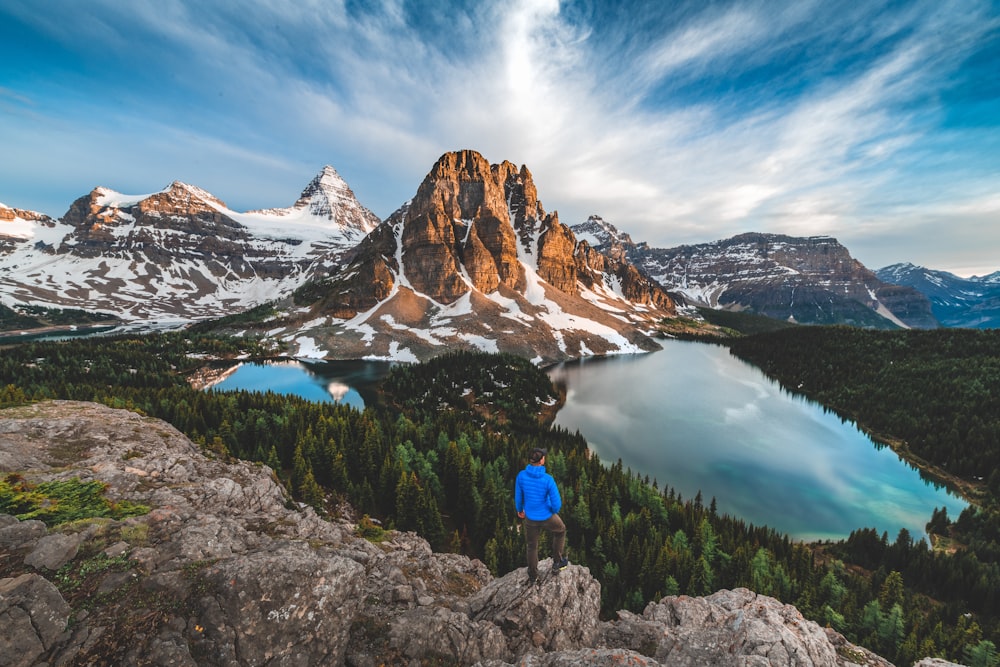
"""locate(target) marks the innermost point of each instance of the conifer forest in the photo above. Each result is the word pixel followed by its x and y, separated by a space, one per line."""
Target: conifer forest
pixel 439 452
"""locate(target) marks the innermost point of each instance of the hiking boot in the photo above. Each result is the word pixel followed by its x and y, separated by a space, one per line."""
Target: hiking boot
pixel 560 564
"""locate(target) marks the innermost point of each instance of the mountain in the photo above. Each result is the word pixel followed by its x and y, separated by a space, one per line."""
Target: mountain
pixel 810 280
pixel 956 302
pixel 207 561
pixel 17 226
pixel 177 254
pixel 474 261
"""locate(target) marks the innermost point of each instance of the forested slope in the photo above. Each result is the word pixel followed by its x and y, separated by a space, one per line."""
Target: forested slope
pixel 448 473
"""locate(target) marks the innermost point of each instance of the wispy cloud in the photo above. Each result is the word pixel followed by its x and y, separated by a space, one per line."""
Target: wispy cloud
pixel 679 122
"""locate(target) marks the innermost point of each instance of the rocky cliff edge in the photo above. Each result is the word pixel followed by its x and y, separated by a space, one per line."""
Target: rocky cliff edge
pixel 225 570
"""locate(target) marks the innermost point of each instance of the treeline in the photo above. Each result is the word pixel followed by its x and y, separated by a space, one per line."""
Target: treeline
pixel 35 317
pixel 936 390
pixel 501 388
pixel 440 458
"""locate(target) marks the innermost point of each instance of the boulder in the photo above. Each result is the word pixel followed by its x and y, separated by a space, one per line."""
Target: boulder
pixel 33 616
pixel 737 628
pixel 53 551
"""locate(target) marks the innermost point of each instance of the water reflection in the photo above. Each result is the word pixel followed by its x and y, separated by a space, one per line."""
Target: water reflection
pixel 697 419
pixel 348 382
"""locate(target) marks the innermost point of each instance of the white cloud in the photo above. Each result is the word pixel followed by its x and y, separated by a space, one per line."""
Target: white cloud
pixel 249 100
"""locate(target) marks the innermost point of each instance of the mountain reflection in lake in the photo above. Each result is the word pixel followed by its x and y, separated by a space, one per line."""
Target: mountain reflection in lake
pixel 349 382
pixel 696 418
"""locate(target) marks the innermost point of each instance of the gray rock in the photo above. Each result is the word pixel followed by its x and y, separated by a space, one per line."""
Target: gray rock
pixel 16 534
pixel 560 614
pixel 589 657
pixel 33 616
pixel 290 604
pixel 739 628
pixel 432 635
pixel 53 551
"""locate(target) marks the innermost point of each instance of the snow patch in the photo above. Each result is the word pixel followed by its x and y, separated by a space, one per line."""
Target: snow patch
pixel 309 349
pixel 480 343
pixel 395 354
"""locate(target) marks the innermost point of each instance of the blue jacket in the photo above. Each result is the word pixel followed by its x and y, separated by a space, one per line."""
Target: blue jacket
pixel 536 494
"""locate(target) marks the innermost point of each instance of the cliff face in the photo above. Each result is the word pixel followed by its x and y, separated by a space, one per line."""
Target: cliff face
pixel 474 261
pixel 224 570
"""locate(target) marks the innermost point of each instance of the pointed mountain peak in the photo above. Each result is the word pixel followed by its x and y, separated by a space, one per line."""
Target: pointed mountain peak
pixel 328 196
pixel 326 187
pixel 598 232
pixel 326 181
pixel 186 190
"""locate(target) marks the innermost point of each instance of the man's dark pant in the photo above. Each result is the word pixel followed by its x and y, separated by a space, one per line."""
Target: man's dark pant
pixel 532 529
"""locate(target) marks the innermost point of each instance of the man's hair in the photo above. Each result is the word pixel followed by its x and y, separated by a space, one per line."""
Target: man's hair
pixel 537 454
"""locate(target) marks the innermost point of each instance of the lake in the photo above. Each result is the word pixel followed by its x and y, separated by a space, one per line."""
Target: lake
pixel 349 382
pixel 695 418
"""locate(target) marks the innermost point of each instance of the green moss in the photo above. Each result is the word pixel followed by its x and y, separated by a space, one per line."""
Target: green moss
pixel 58 502
pixel 75 574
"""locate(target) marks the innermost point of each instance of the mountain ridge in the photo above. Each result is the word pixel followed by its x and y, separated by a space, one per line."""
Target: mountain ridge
pixel 808 280
pixel 180 254
pixel 957 302
pixel 473 261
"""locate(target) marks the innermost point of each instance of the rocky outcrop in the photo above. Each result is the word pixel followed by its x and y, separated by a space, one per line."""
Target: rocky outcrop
pixel 459 223
pixel 17 227
pixel 735 627
pixel 11 215
pixel 225 570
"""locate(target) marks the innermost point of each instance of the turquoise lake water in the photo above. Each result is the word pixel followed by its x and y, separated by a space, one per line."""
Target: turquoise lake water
pixel 696 418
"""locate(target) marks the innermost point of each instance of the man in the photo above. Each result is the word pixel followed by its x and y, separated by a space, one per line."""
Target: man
pixel 537 501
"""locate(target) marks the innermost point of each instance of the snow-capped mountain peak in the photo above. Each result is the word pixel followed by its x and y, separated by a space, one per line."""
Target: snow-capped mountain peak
pixel 956 301
pixel 327 199
pixel 328 193
pixel 599 233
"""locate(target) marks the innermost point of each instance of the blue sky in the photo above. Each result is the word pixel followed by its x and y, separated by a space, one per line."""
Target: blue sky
pixel 679 122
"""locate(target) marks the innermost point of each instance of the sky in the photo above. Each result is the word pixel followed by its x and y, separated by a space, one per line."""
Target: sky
pixel 679 122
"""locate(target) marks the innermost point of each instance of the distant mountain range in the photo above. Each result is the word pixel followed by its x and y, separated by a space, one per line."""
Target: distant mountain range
pixel 956 302
pixel 179 254
pixel 471 261
pixel 810 280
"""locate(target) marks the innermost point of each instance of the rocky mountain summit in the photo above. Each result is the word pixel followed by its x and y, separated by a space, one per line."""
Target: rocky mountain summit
pixel 956 302
pixel 16 226
pixel 474 261
pixel 224 570
pixel 810 280
pixel 180 253
pixel 328 197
